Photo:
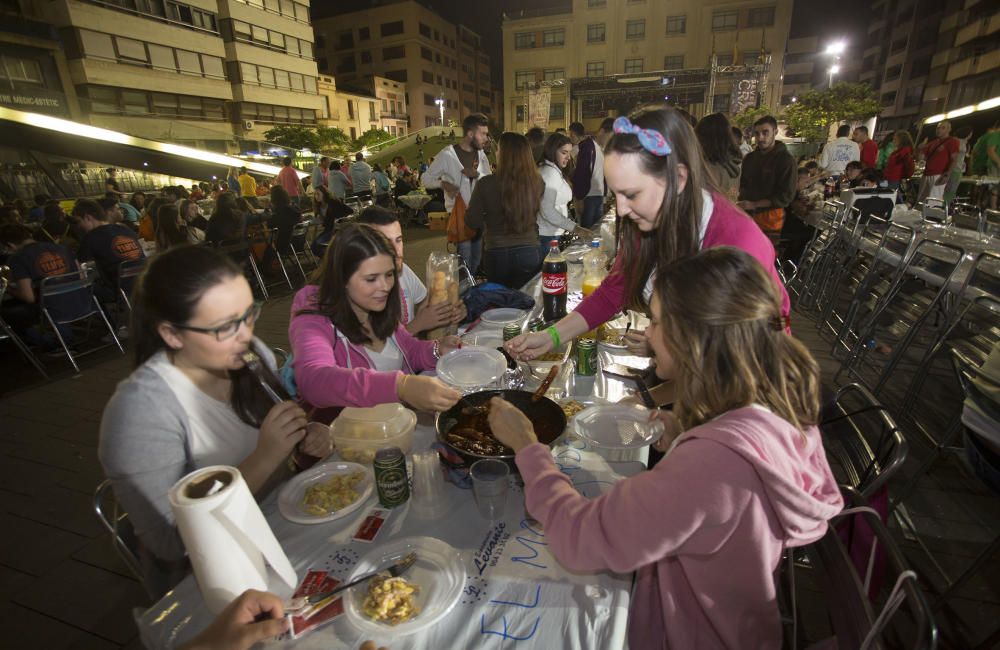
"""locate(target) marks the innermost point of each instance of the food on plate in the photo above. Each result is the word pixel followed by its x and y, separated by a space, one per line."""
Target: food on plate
pixel 390 600
pixel 551 356
pixel 612 336
pixel 323 498
pixel 572 407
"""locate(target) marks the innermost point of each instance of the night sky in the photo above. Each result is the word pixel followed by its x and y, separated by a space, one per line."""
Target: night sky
pixel 484 16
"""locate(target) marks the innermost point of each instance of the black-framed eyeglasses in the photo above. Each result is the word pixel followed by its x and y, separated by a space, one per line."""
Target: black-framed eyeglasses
pixel 228 329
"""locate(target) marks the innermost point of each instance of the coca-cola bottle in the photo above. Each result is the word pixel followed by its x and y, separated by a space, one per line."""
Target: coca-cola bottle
pixel 554 283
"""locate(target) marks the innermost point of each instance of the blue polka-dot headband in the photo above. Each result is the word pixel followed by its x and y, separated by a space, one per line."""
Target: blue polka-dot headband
pixel 650 139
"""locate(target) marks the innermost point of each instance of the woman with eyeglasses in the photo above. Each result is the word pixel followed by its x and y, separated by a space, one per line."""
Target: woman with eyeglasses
pixel 191 402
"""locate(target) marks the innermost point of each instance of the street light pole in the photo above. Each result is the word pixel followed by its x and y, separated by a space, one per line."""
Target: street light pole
pixel 834 69
pixel 440 103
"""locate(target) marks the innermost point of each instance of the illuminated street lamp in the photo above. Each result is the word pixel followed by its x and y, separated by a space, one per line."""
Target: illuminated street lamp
pixel 440 104
pixel 836 49
pixel 834 69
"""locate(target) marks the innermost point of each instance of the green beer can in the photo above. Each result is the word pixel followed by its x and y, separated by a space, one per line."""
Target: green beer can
pixel 586 357
pixel 390 477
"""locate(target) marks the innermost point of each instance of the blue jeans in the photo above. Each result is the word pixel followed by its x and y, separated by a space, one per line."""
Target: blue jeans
pixel 471 251
pixel 593 207
pixel 543 243
pixel 513 266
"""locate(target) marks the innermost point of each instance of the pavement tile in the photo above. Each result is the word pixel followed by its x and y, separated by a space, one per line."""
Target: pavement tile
pixel 99 552
pixel 54 506
pixel 31 547
pixel 68 593
pixel 24 628
pixel 12 582
pixel 46 451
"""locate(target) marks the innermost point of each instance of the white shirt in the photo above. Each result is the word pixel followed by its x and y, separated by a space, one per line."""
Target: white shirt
pixel 411 292
pixel 707 207
pixel 553 212
pixel 837 153
pixel 745 148
pixel 389 359
pixel 217 435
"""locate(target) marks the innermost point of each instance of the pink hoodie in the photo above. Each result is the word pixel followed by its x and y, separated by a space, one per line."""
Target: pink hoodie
pixel 705 528
pixel 332 371
pixel 728 226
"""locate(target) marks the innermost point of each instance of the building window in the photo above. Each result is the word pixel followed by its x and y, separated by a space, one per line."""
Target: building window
pixel 519 113
pixel 366 57
pixel 595 33
pixel 753 57
pixel 595 69
pixel 289 8
pixel 720 103
pixel 371 111
pixel 635 29
pixel 676 25
pixel 428 77
pixel 724 20
pixel 260 36
pixel 524 40
pixel 23 70
pixel 425 30
pixel 391 29
pixel 346 64
pixel 446 82
pixel 723 59
pixel 364 33
pixel 97 45
pixel 557 111
pixel 893 73
pixel 397 75
pixel 131 50
pixel 889 99
pixel 596 3
pixel 394 52
pixel 522 79
pixel 553 37
pixel 426 54
pixel 760 17
pixel 898 45
pixel 429 100
pixel 552 74
pixel 913 96
pixel 633 65
pixel 673 62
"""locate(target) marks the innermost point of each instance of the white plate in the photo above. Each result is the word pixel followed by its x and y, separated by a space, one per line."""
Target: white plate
pixel 503 315
pixel 290 497
pixel 439 573
pixel 471 367
pixel 483 337
pixel 617 426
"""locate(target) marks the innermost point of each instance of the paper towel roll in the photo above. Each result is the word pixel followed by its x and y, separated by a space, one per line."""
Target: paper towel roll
pixel 227 538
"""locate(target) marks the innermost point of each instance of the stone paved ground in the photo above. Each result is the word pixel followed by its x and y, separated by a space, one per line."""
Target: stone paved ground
pixel 62 587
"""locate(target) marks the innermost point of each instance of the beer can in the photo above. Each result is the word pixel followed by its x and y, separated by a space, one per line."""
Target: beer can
pixel 510 330
pixel 586 357
pixel 536 324
pixel 390 477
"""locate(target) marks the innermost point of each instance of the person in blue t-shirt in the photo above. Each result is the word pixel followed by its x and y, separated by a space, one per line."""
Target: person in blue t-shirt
pixel 108 244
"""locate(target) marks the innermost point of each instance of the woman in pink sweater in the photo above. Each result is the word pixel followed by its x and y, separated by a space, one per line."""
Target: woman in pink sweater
pixel 745 476
pixel 349 347
pixel 667 210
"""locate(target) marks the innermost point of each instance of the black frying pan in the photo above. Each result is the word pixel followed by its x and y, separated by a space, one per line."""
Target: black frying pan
pixel 546 416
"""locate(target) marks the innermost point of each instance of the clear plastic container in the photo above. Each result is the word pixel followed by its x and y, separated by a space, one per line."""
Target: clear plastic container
pixel 359 432
pixel 442 286
pixel 617 426
pixel 472 368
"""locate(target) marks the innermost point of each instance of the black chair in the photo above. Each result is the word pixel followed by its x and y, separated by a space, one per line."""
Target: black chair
pixel 128 271
pixel 8 334
pixel 116 523
pixel 67 300
pixel 240 252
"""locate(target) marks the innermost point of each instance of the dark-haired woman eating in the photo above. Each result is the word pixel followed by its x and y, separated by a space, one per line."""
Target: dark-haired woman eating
pixel 190 402
pixel 349 346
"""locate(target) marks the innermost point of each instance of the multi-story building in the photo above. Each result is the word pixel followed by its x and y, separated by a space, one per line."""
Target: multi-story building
pixel 809 64
pixel 602 57
pixel 405 41
pixel 211 73
pixel 968 67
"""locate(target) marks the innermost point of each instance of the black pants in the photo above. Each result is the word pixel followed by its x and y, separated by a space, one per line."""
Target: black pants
pixel 513 266
pixel 796 235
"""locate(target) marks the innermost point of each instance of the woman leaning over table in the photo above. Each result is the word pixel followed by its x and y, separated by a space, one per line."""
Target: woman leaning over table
pixel 553 212
pixel 654 167
pixel 505 204
pixel 744 479
pixel 349 346
pixel 191 402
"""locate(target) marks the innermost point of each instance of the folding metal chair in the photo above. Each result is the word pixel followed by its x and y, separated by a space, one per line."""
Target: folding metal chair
pixel 128 271
pixel 268 237
pixel 116 523
pixel 240 252
pixel 69 299
pixel 6 333
pixel 298 246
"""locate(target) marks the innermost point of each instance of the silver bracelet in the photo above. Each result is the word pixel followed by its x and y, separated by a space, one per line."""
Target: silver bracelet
pixel 437 349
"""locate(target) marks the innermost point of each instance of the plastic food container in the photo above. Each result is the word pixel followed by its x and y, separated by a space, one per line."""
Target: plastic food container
pixel 472 368
pixel 617 426
pixel 497 318
pixel 359 432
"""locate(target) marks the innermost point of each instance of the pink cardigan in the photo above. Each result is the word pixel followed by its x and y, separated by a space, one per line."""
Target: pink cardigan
pixel 705 528
pixel 331 371
pixel 729 226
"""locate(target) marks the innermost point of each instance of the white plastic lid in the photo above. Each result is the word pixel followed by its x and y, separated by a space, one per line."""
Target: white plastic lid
pixel 617 426
pixel 375 423
pixel 471 367
pixel 503 315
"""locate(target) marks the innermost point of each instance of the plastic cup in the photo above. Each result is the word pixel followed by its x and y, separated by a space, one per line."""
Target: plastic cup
pixel 490 481
pixel 428 491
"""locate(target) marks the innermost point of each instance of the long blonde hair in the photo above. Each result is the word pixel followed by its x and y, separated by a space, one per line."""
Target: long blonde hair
pixel 721 320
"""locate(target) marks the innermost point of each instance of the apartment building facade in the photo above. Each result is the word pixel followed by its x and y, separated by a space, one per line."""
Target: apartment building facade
pixel 209 73
pixel 407 42
pixel 807 65
pixel 672 44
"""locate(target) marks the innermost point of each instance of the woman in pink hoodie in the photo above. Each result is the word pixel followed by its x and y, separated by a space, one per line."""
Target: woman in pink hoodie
pixel 667 211
pixel 745 476
pixel 349 347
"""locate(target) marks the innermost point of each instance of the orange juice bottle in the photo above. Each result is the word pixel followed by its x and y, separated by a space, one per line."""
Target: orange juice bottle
pixel 594 272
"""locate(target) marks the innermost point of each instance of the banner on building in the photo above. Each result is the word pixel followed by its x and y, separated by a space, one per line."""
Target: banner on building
pixel 539 103
pixel 744 95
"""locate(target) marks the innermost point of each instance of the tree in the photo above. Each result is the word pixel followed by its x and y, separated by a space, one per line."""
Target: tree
pixel 294 137
pixel 372 137
pixel 749 115
pixel 816 110
pixel 333 140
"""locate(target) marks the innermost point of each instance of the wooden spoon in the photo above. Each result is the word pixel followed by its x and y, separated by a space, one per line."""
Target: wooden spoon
pixel 544 386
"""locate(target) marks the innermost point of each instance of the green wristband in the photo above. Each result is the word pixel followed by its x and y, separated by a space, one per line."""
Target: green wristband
pixel 554 335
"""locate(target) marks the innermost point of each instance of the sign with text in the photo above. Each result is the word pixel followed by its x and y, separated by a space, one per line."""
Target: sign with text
pixel 744 95
pixel 539 103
